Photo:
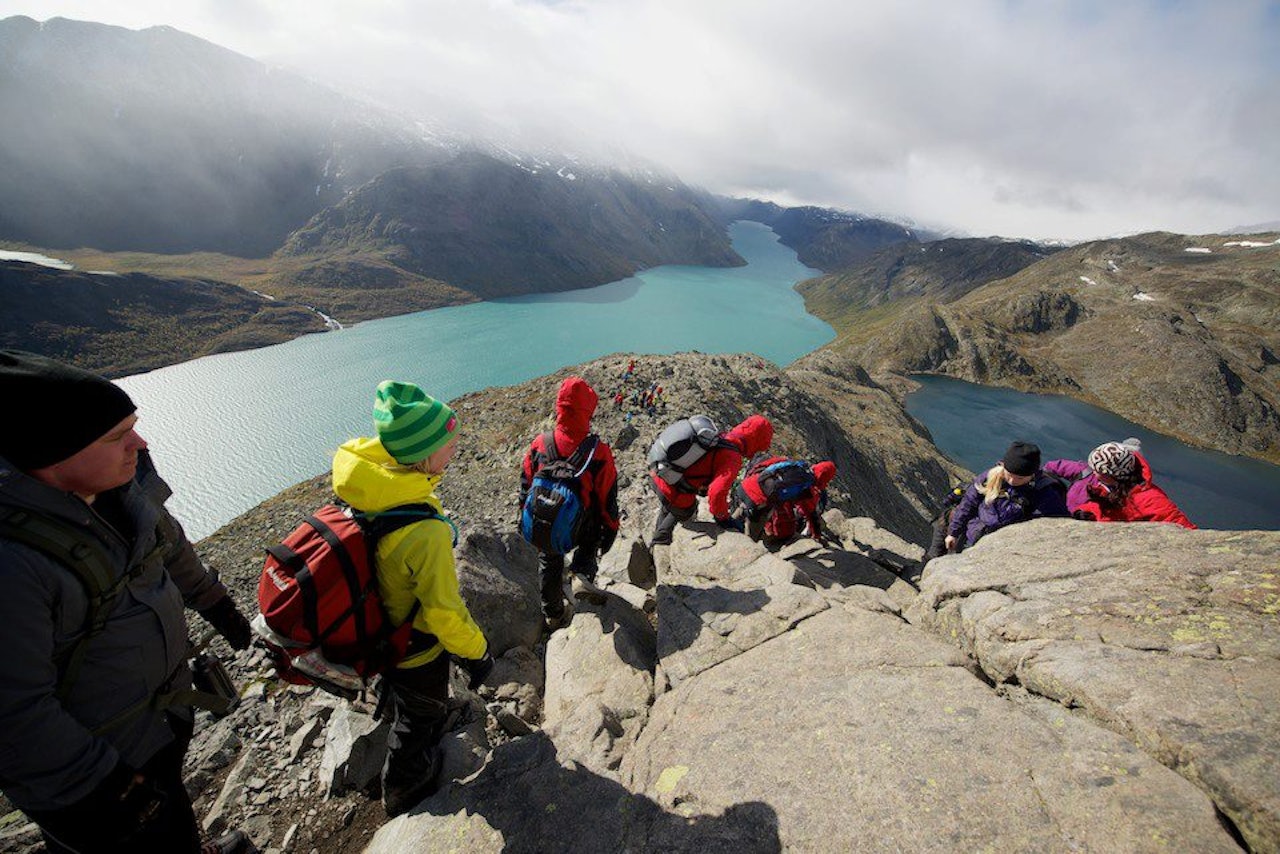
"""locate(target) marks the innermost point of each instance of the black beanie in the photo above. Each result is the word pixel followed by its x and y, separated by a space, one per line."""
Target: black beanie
pixel 1022 458
pixel 53 410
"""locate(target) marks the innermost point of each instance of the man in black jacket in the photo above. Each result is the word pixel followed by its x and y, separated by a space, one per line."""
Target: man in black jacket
pixel 95 689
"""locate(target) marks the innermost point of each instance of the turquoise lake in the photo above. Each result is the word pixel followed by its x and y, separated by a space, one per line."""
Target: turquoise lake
pixel 231 430
pixel 973 425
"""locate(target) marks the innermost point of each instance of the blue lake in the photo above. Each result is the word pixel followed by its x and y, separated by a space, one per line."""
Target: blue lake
pixel 973 425
pixel 231 430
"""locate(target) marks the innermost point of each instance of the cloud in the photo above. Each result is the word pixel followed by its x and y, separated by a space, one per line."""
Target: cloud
pixel 1041 119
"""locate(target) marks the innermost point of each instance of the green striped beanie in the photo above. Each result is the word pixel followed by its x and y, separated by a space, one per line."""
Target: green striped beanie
pixel 412 425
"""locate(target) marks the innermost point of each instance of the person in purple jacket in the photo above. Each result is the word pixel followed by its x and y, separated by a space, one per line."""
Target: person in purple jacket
pixel 1013 490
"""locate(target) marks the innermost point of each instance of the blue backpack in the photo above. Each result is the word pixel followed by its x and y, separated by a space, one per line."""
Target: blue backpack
pixel 553 511
pixel 786 480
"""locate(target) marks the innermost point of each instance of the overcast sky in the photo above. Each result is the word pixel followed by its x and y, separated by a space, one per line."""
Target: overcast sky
pixel 1041 119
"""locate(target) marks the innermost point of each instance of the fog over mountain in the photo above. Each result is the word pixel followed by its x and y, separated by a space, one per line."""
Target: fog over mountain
pixel 161 141
pixel 1046 120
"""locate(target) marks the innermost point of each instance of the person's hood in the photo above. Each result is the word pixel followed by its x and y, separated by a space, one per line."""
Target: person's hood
pixel 1144 470
pixel 823 473
pixel 753 435
pixel 369 479
pixel 575 404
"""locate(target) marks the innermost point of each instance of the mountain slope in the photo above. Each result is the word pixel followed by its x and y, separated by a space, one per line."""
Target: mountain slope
pixel 159 141
pixel 935 272
pixel 125 324
pixel 494 228
pixel 1176 333
pixel 826 239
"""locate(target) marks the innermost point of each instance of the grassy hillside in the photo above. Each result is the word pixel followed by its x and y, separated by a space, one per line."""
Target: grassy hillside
pixel 124 324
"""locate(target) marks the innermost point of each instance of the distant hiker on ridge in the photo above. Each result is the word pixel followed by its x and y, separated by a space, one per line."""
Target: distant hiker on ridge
pixel 692 458
pixel 1115 485
pixel 569 466
pixel 1013 490
pixel 417 436
pixel 95 690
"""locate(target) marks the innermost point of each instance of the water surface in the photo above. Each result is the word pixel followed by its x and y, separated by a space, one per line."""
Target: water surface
pixel 231 430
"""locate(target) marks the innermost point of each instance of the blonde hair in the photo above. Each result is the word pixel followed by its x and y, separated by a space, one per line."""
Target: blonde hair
pixel 994 485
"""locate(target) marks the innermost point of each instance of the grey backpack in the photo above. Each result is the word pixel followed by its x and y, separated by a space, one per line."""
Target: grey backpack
pixel 681 445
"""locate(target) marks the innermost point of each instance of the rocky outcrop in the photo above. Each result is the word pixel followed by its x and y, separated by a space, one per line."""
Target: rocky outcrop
pixel 803 699
pixel 789 713
pixel 1168 637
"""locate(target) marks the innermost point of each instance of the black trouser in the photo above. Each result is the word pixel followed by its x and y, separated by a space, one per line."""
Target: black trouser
pixel 551 569
pixel 668 516
pixel 755 514
pixel 419 697
pixel 938 544
pixel 97 825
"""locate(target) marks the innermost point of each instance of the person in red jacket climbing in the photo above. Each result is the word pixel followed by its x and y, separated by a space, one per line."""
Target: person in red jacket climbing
pixel 781 501
pixel 1114 485
pixel 712 474
pixel 597 485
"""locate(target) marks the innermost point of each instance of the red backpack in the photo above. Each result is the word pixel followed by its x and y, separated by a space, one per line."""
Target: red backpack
pixel 322 619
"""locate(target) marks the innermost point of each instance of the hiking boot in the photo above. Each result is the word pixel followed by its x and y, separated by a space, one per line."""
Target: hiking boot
pixel 235 842
pixel 400 797
pixel 551 623
pixel 585 589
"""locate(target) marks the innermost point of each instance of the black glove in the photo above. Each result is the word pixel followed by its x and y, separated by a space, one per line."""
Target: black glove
pixel 224 616
pixel 477 668
pixel 729 523
pixel 1085 516
pixel 607 538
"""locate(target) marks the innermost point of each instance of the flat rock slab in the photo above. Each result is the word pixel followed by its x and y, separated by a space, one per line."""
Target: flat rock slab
pixel 526 800
pixel 1169 637
pixel 723 594
pixel 861 732
pixel 599 683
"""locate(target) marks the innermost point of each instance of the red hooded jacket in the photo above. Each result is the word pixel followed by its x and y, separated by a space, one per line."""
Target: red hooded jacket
pixel 1145 502
pixel 575 404
pixel 714 474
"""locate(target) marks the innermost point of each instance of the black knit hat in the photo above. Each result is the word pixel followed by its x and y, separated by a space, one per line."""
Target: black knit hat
pixel 1022 458
pixel 53 410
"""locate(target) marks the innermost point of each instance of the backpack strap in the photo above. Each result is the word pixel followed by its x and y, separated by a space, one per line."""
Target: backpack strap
pixel 579 461
pixel 87 559
pixel 378 525
pixel 550 453
pixel 757 463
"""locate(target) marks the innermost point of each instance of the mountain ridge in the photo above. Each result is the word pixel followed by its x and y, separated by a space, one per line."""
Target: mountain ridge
pixel 1173 332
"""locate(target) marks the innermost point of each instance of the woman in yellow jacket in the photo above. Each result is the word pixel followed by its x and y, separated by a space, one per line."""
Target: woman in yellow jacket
pixel 417 437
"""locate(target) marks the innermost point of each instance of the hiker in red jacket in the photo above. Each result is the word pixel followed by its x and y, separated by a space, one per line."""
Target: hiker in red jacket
pixel 1114 485
pixel 793 517
pixel 713 476
pixel 776 519
pixel 575 404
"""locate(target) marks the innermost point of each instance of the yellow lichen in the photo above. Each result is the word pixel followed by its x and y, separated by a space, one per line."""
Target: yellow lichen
pixel 670 778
